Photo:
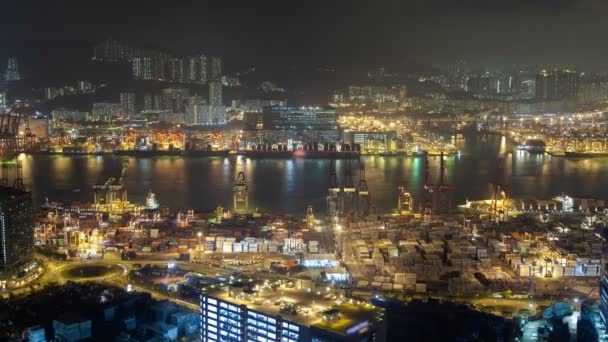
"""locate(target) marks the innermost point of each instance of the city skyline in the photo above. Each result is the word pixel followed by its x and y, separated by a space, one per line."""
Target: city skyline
pixel 354 34
pixel 304 171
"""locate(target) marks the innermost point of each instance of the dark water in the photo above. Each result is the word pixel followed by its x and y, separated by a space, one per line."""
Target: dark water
pixel 290 185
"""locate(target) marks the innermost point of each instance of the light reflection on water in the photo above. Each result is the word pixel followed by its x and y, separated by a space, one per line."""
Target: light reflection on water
pixel 291 185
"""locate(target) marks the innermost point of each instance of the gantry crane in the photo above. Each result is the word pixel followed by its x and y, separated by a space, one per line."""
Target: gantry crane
pixel 501 194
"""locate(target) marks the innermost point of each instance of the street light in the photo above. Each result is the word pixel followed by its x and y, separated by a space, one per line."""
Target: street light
pixel 199 235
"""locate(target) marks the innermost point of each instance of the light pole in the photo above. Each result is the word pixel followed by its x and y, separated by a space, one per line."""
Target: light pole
pixel 199 235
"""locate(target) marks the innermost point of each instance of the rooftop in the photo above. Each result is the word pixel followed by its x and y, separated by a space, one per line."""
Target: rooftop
pixel 303 307
pixel 7 193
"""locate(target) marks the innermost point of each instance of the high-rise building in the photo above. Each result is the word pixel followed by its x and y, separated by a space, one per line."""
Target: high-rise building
pixel 62 114
pixel 176 70
pixel 458 74
pixel 604 296
pixel 479 85
pixel 215 93
pixel 12 70
pixel 196 111
pixel 567 84
pixel 2 100
pixel 127 103
pixel 158 68
pixel 175 99
pixel 105 111
pixel 142 68
pixel 16 229
pixel 239 313
pixel 592 88
pixel 217 111
pixel 546 86
pixel 148 102
pixel 203 64
pixel 193 69
pixel 215 68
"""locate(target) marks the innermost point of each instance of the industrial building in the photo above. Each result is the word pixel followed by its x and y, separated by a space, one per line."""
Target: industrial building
pixel 242 310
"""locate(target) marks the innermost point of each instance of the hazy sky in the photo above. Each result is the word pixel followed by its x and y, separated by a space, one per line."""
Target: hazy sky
pixel 374 32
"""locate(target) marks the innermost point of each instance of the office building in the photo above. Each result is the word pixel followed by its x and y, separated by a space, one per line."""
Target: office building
pixel 105 111
pixel 244 311
pixel 16 229
pixel 299 118
pixel 12 70
pixel 127 103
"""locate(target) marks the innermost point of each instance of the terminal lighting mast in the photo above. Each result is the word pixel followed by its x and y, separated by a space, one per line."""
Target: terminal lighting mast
pixel 428 191
pixel 348 190
pixel 241 203
pixel 333 192
pixel 363 198
pixel 444 189
pixel 310 218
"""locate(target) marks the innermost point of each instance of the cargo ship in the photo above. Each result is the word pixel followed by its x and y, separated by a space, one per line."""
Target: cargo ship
pixel 583 154
pixel 147 153
pixel 158 153
pixel 533 146
pixel 302 154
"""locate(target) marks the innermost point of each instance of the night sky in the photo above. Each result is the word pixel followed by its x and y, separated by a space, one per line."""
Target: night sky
pixel 335 33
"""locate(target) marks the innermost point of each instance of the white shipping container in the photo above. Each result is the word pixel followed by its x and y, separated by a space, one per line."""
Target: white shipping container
pixel 227 247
